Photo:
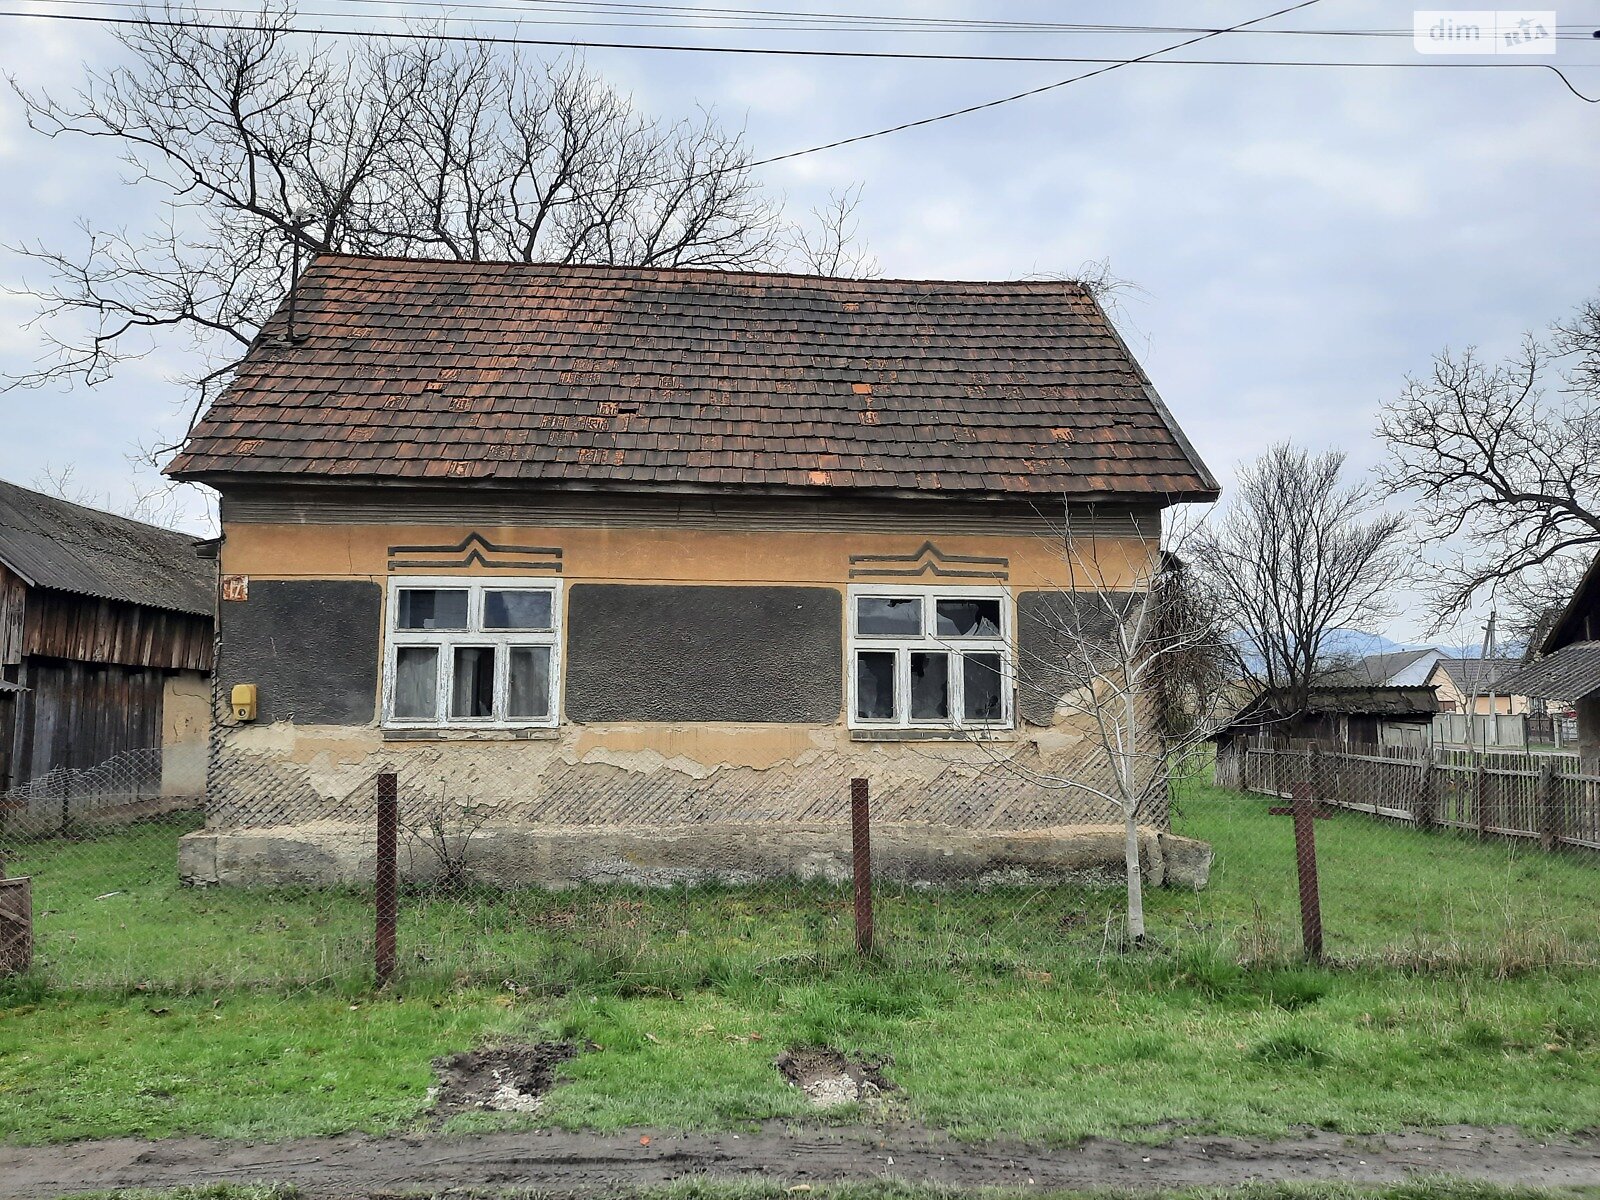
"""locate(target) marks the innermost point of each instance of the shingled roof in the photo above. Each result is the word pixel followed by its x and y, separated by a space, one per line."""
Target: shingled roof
pixel 53 543
pixel 407 370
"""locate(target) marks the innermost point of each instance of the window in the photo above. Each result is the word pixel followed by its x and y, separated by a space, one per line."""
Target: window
pixel 472 653
pixel 929 657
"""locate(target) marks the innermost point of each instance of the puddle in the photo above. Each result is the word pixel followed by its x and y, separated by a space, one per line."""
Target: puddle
pixel 506 1078
pixel 830 1078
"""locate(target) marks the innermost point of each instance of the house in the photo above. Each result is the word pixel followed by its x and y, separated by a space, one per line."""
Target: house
pixel 105 643
pixel 1567 666
pixel 1475 685
pixel 662 550
pixel 1397 668
pixel 1360 718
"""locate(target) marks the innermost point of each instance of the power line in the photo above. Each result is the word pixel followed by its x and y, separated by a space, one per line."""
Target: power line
pixel 446 11
pixel 779 51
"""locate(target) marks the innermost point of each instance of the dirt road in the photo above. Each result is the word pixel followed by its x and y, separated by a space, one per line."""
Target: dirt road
pixel 355 1165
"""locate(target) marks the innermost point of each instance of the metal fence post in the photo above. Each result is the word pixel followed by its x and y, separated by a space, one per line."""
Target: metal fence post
pixel 386 893
pixel 861 860
pixel 1304 808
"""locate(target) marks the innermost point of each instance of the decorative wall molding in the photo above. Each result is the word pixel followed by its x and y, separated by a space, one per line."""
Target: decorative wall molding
pixel 477 550
pixel 928 559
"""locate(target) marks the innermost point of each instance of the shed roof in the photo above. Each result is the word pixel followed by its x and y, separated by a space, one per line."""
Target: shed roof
pixel 406 370
pixel 53 543
pixel 1271 705
pixel 1570 673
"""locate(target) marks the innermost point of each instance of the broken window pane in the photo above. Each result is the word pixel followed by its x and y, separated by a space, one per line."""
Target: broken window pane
pixel 930 687
pixel 968 618
pixel 432 608
pixel 889 615
pixel 472 690
pixel 516 610
pixel 416 683
pixel 528 694
pixel 875 685
pixel 981 683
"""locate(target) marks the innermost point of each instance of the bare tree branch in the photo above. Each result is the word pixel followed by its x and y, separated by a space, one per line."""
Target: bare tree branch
pixel 258 141
pixel 1298 557
pixel 1503 464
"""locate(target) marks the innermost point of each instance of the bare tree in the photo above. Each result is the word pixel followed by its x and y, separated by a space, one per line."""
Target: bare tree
pixel 832 246
pixel 264 145
pixel 1504 463
pixel 1137 656
pixel 1128 663
pixel 1297 558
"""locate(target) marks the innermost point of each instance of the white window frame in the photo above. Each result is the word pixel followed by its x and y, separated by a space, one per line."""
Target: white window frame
pixel 503 641
pixel 930 640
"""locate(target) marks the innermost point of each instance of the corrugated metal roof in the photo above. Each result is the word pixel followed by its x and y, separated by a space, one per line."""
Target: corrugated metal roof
pixel 1571 672
pixel 56 544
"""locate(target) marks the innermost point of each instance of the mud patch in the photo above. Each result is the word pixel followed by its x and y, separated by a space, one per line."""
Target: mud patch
pixel 512 1077
pixel 830 1078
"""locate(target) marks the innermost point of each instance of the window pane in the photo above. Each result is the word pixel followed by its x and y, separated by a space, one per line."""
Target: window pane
pixel 967 618
pixel 529 693
pixel 981 681
pixel 416 683
pixel 432 608
pixel 472 694
pixel 888 615
pixel 875 685
pixel 930 687
pixel 516 610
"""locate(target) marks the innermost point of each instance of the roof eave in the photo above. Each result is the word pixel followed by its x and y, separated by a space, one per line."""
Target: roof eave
pixel 222 481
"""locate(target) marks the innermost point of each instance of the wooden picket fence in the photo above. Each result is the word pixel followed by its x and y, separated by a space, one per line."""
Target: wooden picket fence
pixel 1540 798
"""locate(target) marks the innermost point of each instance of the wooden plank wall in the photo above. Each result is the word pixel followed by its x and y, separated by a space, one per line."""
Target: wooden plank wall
pixel 13 599
pixel 61 625
pixel 80 714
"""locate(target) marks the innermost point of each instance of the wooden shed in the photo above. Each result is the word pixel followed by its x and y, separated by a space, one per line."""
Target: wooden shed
pixel 105 638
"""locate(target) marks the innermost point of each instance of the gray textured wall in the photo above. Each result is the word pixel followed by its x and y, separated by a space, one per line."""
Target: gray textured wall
pixel 644 652
pixel 1050 625
pixel 311 647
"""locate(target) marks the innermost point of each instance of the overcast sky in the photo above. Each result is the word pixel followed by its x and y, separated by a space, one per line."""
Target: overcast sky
pixel 1302 237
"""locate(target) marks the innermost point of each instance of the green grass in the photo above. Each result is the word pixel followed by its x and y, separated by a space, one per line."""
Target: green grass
pixel 110 914
pixel 1463 990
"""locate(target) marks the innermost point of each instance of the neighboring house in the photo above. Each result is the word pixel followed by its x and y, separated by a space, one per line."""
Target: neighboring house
pixel 625 545
pixel 1567 668
pixel 1476 685
pixel 1361 718
pixel 105 641
pixel 1399 668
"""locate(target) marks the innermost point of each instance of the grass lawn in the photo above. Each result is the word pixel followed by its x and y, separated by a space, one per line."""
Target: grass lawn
pixel 1466 993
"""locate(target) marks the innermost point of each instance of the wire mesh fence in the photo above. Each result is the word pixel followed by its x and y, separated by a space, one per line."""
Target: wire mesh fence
pixel 272 877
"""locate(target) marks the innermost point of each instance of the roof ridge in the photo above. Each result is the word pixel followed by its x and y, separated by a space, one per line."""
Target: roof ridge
pixel 719 272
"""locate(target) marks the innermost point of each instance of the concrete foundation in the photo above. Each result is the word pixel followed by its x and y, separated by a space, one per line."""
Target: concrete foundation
pixel 326 854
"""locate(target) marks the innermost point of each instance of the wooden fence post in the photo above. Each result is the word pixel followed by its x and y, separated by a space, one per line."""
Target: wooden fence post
pixel 1480 798
pixel 386 893
pixel 861 860
pixel 1423 815
pixel 1304 808
pixel 1547 804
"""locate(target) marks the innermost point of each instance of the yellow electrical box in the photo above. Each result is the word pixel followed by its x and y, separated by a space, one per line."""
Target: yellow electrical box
pixel 244 702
